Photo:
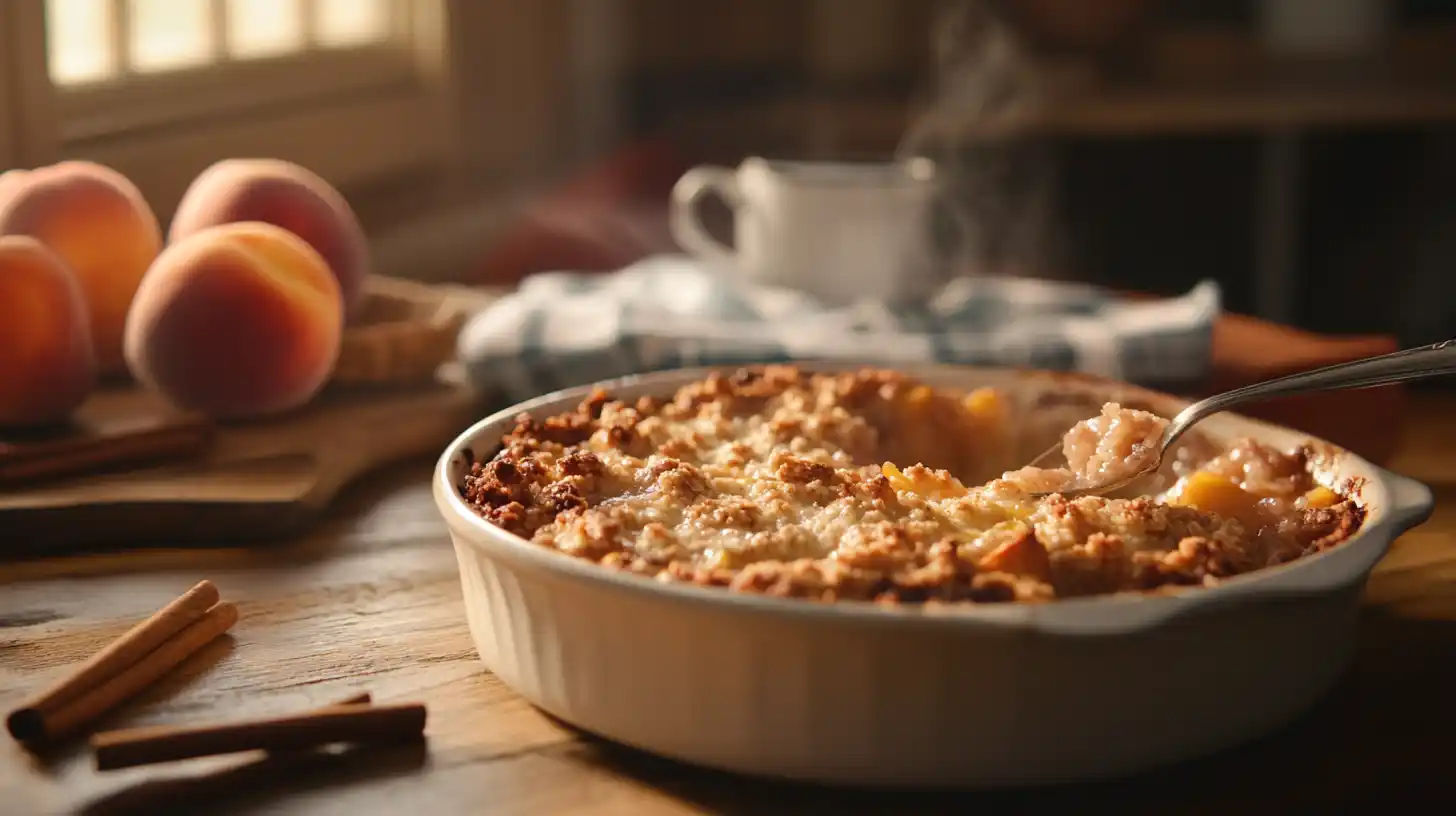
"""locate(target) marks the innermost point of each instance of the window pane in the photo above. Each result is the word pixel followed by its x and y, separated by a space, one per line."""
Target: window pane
pixel 346 23
pixel 78 41
pixel 168 34
pixel 264 28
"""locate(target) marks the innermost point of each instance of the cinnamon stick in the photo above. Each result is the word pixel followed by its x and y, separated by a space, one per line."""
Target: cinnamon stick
pixel 363 698
pixel 29 721
pixel 29 463
pixel 336 724
pixel 51 721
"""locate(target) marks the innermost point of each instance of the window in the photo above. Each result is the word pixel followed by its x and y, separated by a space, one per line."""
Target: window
pixel 124 64
pixel 161 88
pixel 89 41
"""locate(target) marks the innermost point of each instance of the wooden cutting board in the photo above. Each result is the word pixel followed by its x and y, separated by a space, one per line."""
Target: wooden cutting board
pixel 222 484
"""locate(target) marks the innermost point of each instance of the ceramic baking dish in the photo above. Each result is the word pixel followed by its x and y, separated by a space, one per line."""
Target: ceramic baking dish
pixel 983 695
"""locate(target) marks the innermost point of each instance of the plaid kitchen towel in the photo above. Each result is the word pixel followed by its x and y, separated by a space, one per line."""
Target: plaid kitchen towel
pixel 565 329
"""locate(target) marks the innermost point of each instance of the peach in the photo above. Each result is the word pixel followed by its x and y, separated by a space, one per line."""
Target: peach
pixel 9 181
pixel 47 365
pixel 285 195
pixel 98 222
pixel 239 320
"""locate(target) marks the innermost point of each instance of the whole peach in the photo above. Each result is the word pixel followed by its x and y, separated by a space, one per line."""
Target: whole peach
pixel 239 320
pixel 98 222
pixel 47 365
pixel 285 195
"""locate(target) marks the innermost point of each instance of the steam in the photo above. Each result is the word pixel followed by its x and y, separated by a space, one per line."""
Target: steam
pixel 996 197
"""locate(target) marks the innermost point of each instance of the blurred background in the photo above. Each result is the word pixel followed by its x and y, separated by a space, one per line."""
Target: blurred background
pixel 1298 151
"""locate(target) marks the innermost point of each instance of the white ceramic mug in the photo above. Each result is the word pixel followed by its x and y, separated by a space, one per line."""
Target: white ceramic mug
pixel 838 231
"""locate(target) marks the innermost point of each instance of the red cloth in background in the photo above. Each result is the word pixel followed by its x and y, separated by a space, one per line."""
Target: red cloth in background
pixel 613 213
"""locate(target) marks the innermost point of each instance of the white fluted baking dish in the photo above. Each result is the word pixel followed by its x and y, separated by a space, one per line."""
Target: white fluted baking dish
pixel 982 695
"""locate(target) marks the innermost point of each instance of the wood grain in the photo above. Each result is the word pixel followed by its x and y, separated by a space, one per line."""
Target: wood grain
pixel 370 600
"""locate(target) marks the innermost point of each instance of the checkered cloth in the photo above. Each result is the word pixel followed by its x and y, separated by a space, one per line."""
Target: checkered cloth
pixel 565 329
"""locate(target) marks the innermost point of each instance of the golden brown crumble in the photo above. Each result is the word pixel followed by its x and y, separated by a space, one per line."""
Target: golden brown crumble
pixel 770 480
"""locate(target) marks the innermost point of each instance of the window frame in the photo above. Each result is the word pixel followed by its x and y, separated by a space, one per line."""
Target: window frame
pixel 176 98
pixel 161 129
pixel 25 110
pixel 9 146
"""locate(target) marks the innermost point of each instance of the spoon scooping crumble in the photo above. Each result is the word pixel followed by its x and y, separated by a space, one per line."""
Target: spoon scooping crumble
pixel 1119 445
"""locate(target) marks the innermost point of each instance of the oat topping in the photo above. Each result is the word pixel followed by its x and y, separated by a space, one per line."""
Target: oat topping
pixel 860 486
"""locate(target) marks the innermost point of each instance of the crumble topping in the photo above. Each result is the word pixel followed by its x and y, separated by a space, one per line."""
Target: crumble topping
pixel 778 481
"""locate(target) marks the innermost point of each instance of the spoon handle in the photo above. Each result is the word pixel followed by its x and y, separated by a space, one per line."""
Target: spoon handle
pixel 1411 364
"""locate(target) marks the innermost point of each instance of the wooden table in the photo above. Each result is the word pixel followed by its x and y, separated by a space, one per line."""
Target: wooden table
pixel 371 601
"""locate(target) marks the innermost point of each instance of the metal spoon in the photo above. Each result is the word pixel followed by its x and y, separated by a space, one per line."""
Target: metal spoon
pixel 1400 366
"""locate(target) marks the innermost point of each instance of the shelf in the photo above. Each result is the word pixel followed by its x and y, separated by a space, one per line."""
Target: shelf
pixel 1112 111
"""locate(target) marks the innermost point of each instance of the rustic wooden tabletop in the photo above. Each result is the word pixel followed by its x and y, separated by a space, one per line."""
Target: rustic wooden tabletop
pixel 371 602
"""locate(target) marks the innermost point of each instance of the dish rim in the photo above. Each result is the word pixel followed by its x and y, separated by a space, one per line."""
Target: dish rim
pixel 1393 503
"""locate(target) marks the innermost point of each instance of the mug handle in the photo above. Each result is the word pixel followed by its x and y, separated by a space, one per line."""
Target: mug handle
pixel 687 229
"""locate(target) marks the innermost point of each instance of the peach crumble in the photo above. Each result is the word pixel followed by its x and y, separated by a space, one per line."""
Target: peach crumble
pixel 778 481
pixel 1111 448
